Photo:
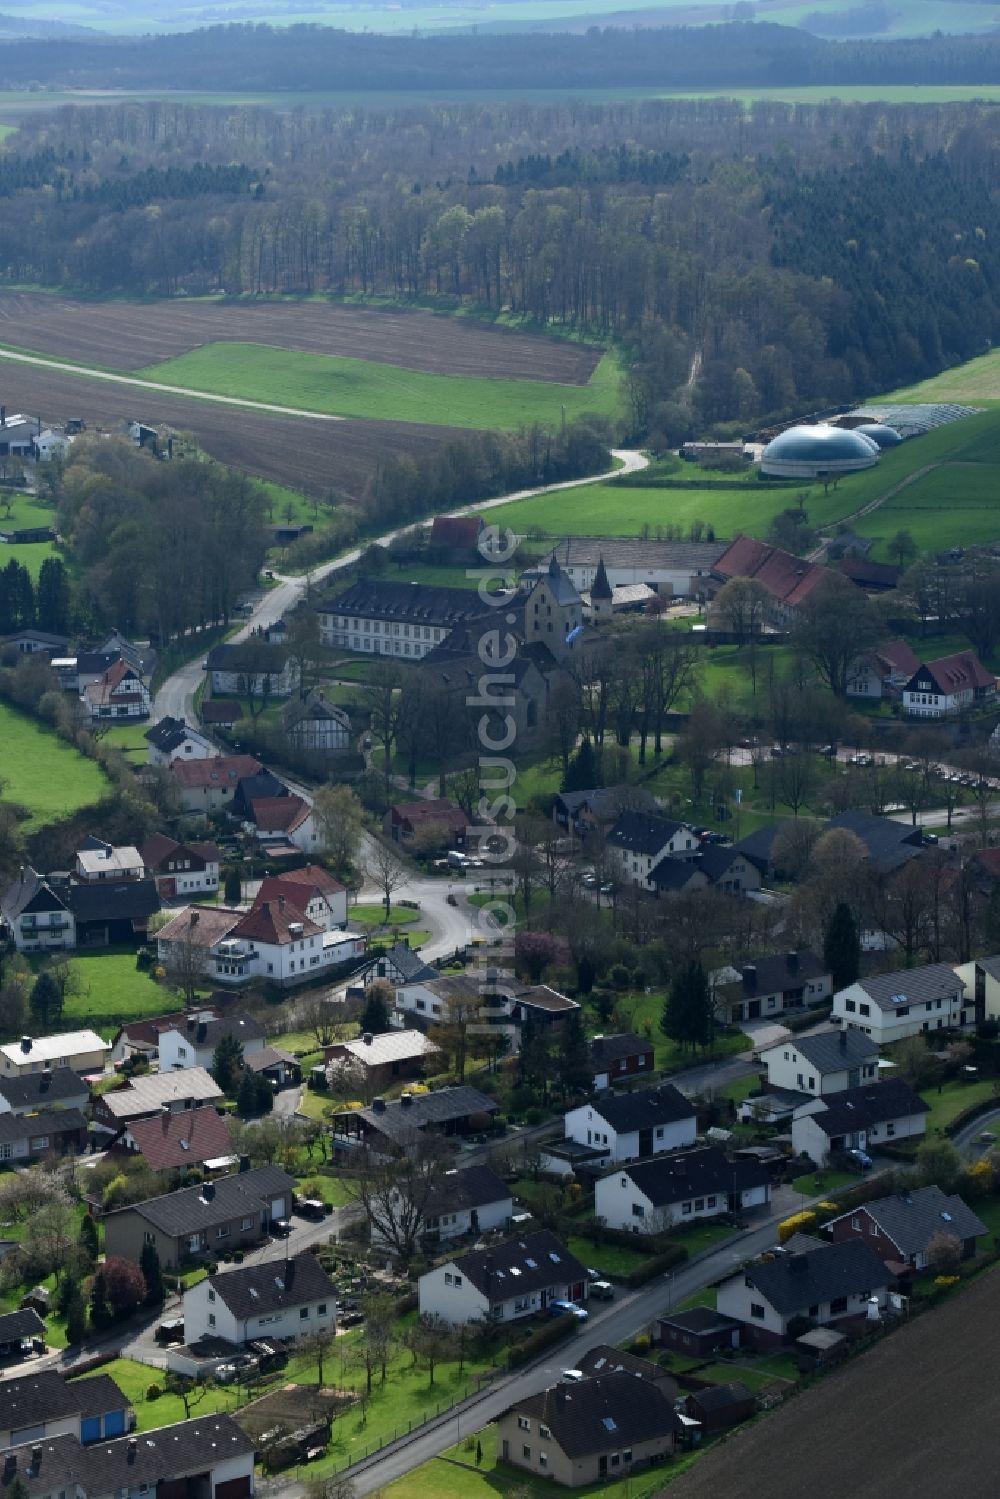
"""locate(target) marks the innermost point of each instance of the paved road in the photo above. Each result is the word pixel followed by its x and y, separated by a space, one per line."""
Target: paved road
pixel 176 695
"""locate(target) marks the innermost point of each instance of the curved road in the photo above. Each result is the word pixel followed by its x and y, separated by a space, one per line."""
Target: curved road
pixel 176 696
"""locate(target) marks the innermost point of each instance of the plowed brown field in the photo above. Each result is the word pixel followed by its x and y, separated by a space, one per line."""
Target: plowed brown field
pixel 129 336
pixel 304 454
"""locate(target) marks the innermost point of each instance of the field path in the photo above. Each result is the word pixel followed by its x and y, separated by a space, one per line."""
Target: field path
pixel 172 390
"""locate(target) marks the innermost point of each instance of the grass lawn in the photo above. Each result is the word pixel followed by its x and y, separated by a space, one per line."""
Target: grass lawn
pixel 725 1373
pixel 813 1184
pixel 702 1236
pixel 332 1189
pixel 704 1297
pixel 318 1106
pixel 612 1259
pixel 647 1008
pixel 365 388
pixel 112 991
pixel 740 1089
pixel 948 1101
pixel 134 1379
pixel 374 915
pixel 129 738
pixel 42 772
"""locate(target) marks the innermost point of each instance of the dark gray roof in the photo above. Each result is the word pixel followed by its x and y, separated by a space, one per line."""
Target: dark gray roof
pixel 759 845
pixel 167 734
pixel 605 1049
pixel 830 1051
pixel 469 1187
pixel 189 1210
pixel 775 974
pixel 29 892
pixel 875 1103
pixel 638 551
pixel 97 1394
pixel 410 964
pixel 602 1414
pixel 721 1396
pixel 606 802
pixel 912 986
pixel 427 604
pixel 889 844
pixel 36 1088
pixel 642 833
pixel 698 1173
pixel 165 1454
pixel 443 1106
pixel 248 655
pixel 30 1399
pixel 44 1468
pixel 211 1032
pixel 676 874
pixel 911 1219
pixel 30 1126
pixel 563 590
pixel 603 1358
pixel 699 1319
pixel 256 1290
pixel 648 1107
pixel 520 1266
pixel 797 1281
pixel 716 859
pixel 113 900
pixel 25 1323
pixel 990 966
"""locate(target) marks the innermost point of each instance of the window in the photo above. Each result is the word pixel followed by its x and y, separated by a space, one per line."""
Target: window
pixel 543 1431
pixel 638 1211
pixel 814 1310
pixel 624 1178
pixel 659 1133
pixel 543 1459
pixel 865 1009
pixel 850 1005
pixel 890 1128
pixel 458 1280
pixel 223 1232
pixel 148 1238
pixel 211 1319
pixel 303 1313
pixel 523 1423
pixel 710 1202
pixel 526 1454
pixel 839 1304
pixel 449 1279
pixel 246 1224
pixel 699 1204
pixel 686 1209
pixel 757 1310
pixel 211 1295
pixel 627 1455
pixel 856 1224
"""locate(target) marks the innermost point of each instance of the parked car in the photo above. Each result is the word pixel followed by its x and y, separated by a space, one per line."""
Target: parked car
pixel 860 1158
pixel 602 1290
pixel 280 1228
pixel 313 1208
pixel 572 1376
pixel 568 1309
pixel 171 1331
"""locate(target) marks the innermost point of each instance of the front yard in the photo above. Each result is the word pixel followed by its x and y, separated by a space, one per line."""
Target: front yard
pixel 953 1098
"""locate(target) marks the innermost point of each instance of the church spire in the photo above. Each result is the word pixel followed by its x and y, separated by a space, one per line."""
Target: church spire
pixel 600 588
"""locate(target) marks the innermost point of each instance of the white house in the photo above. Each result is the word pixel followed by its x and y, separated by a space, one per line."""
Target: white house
pixel 256 667
pixel 82 1051
pixel 981 978
pixel 768 987
pixel 859 1119
pixel 173 739
pixel 469 1200
pixel 52 1088
pixel 274 942
pixel 631 1126
pixel 275 1299
pixel 312 891
pixel 683 568
pixel 638 841
pixel 883 671
pixel 317 726
pixel 37 916
pixel 98 861
pixel 193 1045
pixel 119 693
pixel 502 1284
pixel 396 619
pixel 824 1063
pixel 652 1196
pixel 210 785
pixel 908 1002
pixel 824 1284
pixel 283 819
pixel 948 685
pixel 181 869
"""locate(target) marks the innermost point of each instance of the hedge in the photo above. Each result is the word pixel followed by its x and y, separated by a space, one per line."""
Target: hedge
pixel 973 1112
pixel 676 1254
pixel 557 1330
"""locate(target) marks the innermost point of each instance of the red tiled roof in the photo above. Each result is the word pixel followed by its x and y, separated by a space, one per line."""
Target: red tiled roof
pixel 149 1031
pixel 865 572
pixel 989 859
pixel 315 875
pixel 223 771
pixel 160 1139
pixel 456 531
pixel 898 656
pixel 789 578
pixel 959 672
pixel 212 924
pixel 296 889
pixel 440 809
pixel 221 710
pixel 279 813
pixel 269 923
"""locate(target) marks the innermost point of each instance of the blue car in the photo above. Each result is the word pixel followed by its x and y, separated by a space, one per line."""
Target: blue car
pixel 568 1309
pixel 861 1159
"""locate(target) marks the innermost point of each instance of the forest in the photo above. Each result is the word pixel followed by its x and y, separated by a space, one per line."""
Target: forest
pixel 752 264
pixel 309 57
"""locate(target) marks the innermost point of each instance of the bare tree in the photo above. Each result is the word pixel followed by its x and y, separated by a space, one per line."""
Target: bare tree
pixel 381 692
pixel 317 1346
pixel 430 1341
pixel 397 1192
pixel 384 870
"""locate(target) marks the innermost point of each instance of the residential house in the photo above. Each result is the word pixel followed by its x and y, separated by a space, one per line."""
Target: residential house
pixel 17 434
pixel 43 1404
pixel 178 1140
pixel 34 1092
pixel 543 1004
pixel 207 1456
pixel 37 915
pixel 631 1126
pixel 825 1062
pixel 314 892
pixel 382 1060
pixel 771 986
pixel 425 1000
pixel 210 785
pixel 391 1124
pixel 727 869
pixel 553 611
pixel 119 693
pixel 469 1200
pixel 19 1332
pixel 97 861
pixel 396 619
pixel 503 1283
pixel 148 1097
pixel 873 577
pixel 399 964
pixel 586 812
pixel 280 1068
pixel 651 1196
pixel 141 658
pixel 952 684
pixel 316 726
pixel 220 712
pixel 828 1285
pixel 263 785
pixel 638 841
pixel 604 1358
pixel 275 941
pixel 676 877
pixel 141 1038
pixel 436 821
pixel 455 539
pixel 181 869
pixel 285 821
pixel 719 1406
pixel 107 913
pixel 981 978
pixel 859 1119
pixel 83 1051
pixel 194 1043
pixel 615 1058
pixel 890 844
pixel 277 1299
pixel 883 672
pixel 26 642
pixel 172 739
pixel 908 1002
pixel 27 1137
pixel 901 1228
pixel 789 580
pixel 252 668
pixel 590 1432
pixel 698 1332
pixel 232 1212
pixel 85 669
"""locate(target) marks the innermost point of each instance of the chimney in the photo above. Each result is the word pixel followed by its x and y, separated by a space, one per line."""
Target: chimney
pixel 281 902
pixel 793 962
pixel 194 917
pixel 406 1100
pixel 378 1104
pixel 133 1448
pixel 191 1022
pixel 368 1038
pixel 244 1163
pixel 25 1043
pixel 843 1040
pixel 208 1192
pixel 749 976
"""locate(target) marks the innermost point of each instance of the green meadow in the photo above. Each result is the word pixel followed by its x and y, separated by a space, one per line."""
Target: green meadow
pixel 42 772
pixel 364 388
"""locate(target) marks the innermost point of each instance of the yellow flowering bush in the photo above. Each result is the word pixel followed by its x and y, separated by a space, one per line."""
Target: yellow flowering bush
pixel 798 1223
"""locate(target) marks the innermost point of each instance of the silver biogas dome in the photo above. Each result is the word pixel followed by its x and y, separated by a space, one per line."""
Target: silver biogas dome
pixel 808 452
pixel 881 435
